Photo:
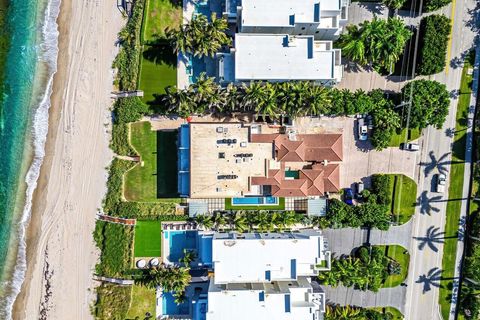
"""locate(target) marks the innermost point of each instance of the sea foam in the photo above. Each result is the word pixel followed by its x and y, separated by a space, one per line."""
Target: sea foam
pixel 48 55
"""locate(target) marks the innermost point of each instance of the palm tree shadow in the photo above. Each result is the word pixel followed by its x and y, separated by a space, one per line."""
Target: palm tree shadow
pixel 431 279
pixel 439 163
pixel 425 203
pixel 160 51
pixel 432 237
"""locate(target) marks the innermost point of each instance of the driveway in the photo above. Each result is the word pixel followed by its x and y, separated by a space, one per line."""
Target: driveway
pixel 394 297
pixel 360 161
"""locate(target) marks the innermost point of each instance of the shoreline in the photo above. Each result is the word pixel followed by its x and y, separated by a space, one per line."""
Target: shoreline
pixel 61 254
pixel 33 229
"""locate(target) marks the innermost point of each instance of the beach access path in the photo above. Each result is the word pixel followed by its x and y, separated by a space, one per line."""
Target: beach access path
pixel 73 178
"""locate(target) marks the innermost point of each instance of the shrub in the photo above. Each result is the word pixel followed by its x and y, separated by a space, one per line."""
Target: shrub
pixel 129 110
pixel 382 187
pixel 112 302
pixel 369 214
pixel 120 140
pixel 394 4
pixel 433 5
pixel 115 184
pixel 435 31
pixel 115 242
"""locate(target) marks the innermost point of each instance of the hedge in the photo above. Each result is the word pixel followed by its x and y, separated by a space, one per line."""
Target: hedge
pixel 435 31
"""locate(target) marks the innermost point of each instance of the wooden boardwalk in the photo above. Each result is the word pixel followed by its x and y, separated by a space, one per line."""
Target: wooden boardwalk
pixel 122 282
pixel 126 222
pixel 127 94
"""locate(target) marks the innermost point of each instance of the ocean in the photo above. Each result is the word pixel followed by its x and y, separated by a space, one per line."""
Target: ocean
pixel 26 89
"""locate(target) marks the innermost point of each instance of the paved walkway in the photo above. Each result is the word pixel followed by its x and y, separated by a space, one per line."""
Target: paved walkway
pixel 127 222
pixel 466 184
pixel 122 282
pixel 343 241
pixel 394 297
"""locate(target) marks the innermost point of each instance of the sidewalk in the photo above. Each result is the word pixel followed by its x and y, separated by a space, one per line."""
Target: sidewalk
pixel 466 185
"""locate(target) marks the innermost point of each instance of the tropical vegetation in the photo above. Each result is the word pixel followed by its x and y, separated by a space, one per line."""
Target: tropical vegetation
pixel 368 269
pixel 200 36
pixel 337 312
pixel 435 30
pixel 433 5
pixel 112 302
pixel 377 42
pixel 394 4
pixel 430 103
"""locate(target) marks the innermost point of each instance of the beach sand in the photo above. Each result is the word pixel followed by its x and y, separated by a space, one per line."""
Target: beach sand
pixel 61 254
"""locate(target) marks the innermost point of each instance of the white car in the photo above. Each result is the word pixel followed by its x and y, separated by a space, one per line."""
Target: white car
pixel 441 182
pixel 362 130
pixel 410 146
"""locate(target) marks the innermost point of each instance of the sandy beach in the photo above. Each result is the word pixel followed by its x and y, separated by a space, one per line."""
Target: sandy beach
pixel 61 254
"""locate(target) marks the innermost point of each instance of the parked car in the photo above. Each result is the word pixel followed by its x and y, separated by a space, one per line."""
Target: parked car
pixel 410 146
pixel 348 196
pixel 360 188
pixel 362 130
pixel 441 182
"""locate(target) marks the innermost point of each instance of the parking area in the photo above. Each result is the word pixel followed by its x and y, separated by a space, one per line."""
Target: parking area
pixel 360 160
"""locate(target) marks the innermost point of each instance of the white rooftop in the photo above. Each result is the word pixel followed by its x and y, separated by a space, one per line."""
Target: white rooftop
pixel 282 57
pixel 273 13
pixel 266 257
pixel 281 301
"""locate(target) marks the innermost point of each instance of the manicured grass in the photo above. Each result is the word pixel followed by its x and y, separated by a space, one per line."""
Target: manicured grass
pixel 143 301
pixel 159 15
pixel 404 198
pixel 401 255
pixel 399 137
pixel 455 192
pixel 155 77
pixel 280 206
pixel 157 178
pixel 148 238
pixel 397 315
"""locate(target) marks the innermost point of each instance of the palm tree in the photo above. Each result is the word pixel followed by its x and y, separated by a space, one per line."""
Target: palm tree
pixel 240 221
pixel 264 221
pixel 171 279
pixel 353 45
pixel 188 257
pixel 219 221
pixel 204 221
pixel 254 95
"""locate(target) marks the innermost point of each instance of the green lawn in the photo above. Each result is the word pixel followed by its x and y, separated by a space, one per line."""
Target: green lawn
pixel 143 301
pixel 404 198
pixel 155 77
pixel 280 206
pixel 455 191
pixel 157 177
pixel 158 62
pixel 159 15
pixel 397 315
pixel 148 238
pixel 401 255
pixel 399 137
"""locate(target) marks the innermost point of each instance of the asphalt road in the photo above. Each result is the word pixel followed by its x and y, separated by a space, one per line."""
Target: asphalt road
pixel 422 291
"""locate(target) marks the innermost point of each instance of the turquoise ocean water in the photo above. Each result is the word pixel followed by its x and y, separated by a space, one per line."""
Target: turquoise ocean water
pixel 31 64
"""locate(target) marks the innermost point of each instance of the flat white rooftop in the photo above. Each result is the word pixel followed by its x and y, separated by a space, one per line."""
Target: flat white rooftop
pixel 279 301
pixel 272 13
pixel 282 58
pixel 265 257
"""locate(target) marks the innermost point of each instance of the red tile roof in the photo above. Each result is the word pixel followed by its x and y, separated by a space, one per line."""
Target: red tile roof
pixel 313 180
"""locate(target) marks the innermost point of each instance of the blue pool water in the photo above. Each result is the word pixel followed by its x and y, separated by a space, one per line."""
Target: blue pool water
pixel 200 310
pixel 255 201
pixel 183 165
pixel 171 308
pixel 179 240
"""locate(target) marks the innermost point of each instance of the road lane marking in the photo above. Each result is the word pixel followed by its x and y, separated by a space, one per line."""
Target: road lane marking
pixel 449 48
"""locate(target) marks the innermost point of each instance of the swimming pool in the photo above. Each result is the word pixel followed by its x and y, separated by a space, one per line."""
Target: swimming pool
pixel 171 308
pixel 255 201
pixel 179 240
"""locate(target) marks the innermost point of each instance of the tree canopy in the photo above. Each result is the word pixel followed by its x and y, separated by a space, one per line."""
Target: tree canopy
pixel 377 42
pixel 200 36
pixel 394 4
pixel 430 102
pixel 435 30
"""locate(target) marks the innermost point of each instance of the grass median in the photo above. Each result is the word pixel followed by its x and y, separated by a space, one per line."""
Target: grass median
pixel 455 193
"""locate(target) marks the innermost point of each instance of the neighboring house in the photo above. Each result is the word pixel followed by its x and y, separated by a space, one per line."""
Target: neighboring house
pixel 246 160
pixel 323 19
pixel 279 58
pixel 258 276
